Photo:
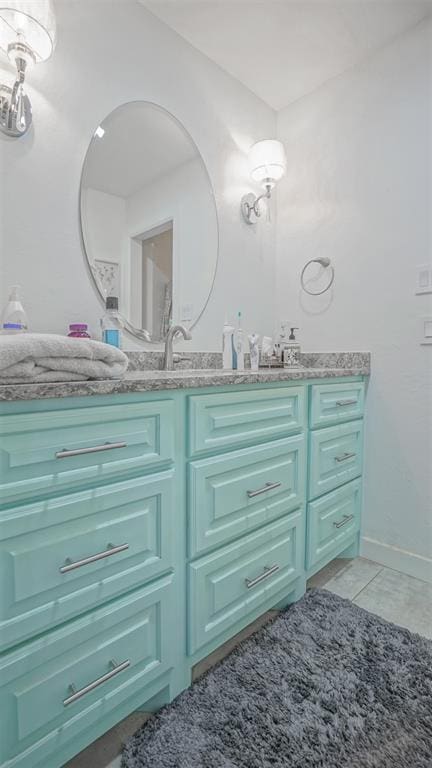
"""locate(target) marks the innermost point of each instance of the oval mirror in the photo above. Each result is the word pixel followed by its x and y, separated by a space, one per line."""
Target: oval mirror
pixel 148 219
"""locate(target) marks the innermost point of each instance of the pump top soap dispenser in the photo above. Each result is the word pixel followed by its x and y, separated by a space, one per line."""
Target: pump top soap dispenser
pixel 291 351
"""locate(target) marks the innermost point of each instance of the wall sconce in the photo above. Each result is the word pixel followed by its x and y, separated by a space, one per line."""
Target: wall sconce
pixel 27 36
pixel 267 164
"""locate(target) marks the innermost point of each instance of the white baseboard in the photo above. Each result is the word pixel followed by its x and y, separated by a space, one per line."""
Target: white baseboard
pixel 399 559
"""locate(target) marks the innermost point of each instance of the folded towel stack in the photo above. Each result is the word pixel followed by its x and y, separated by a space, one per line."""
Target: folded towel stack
pixel 44 357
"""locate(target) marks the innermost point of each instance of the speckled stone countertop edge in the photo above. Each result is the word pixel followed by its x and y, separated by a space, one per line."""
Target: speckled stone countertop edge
pixel 153 380
pixel 152 360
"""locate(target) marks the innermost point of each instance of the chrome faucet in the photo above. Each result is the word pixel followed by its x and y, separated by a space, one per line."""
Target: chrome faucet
pixel 168 361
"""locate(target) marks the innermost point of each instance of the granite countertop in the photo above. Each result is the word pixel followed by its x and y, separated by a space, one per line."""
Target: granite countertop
pixel 321 366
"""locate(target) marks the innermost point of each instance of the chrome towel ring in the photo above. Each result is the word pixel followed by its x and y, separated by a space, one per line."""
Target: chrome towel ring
pixel 326 263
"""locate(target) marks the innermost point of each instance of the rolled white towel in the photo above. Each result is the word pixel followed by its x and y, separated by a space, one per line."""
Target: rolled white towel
pixel 46 357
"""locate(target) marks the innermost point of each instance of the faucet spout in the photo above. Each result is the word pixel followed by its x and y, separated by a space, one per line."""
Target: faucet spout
pixel 168 361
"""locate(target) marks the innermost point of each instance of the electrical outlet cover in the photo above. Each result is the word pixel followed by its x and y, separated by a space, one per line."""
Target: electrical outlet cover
pixel 424 278
pixel 426 330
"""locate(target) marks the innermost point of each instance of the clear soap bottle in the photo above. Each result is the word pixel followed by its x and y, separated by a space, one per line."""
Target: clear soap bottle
pixel 14 319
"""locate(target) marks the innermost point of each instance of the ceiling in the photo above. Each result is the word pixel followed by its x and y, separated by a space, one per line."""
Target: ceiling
pixel 284 49
pixel 141 143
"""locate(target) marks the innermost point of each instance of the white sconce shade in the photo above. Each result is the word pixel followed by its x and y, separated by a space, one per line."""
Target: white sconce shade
pixel 30 22
pixel 267 161
pixel 27 36
pixel 267 165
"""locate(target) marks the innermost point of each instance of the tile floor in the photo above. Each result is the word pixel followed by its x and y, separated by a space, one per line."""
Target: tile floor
pixel 390 594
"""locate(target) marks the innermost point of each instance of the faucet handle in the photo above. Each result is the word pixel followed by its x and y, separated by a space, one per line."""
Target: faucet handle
pixel 178 358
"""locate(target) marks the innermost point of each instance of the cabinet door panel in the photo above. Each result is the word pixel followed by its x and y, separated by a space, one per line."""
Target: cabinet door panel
pixel 47 452
pixel 331 520
pixel 232 494
pixel 47 548
pixel 226 586
pixel 335 457
pixel 334 403
pixel 120 648
pixel 231 419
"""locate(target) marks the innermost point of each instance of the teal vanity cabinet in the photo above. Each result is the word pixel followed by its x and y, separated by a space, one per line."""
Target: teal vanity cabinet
pixel 246 508
pixel 140 531
pixel 92 540
pixel 335 468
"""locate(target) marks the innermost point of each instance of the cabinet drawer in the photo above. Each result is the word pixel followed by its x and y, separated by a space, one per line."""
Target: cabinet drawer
pixel 335 457
pixel 232 419
pixel 107 656
pixel 226 586
pixel 52 554
pixel 331 520
pixel 333 403
pixel 108 440
pixel 232 494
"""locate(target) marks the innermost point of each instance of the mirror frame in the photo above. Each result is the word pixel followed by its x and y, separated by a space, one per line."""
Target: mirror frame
pixel 140 333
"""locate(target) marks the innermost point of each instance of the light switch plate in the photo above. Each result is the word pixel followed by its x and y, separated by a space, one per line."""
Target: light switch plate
pixel 424 278
pixel 426 330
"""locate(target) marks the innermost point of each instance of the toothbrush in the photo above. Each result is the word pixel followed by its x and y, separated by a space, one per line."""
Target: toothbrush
pixel 240 345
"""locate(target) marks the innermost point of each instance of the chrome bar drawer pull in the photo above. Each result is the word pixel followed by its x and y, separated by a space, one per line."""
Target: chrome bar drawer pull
pixel 346 519
pixel 75 694
pixel 64 454
pixel 267 573
pixel 346 402
pixel 267 487
pixel 345 456
pixel 110 550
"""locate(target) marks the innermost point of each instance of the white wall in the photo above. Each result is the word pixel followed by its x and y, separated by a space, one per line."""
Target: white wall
pixel 358 190
pixel 109 53
pixel 183 196
pixel 103 218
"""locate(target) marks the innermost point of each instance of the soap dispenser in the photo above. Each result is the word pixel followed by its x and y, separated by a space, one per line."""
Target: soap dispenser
pixel 14 318
pixel 291 351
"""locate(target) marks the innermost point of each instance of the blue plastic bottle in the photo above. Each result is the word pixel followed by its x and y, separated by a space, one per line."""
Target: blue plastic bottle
pixel 111 323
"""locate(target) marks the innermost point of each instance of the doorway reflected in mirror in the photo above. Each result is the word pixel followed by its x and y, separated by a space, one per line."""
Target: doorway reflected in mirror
pixel 152 280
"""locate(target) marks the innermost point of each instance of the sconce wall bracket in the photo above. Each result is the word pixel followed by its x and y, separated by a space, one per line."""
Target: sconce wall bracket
pixel 9 112
pixel 15 107
pixel 250 205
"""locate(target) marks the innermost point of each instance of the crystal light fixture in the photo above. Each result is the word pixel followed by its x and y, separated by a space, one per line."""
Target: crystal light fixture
pixel 27 37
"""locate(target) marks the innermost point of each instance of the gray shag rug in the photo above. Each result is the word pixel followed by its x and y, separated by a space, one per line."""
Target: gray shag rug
pixel 325 685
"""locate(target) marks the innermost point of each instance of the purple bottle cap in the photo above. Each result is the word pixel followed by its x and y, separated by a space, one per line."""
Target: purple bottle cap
pixel 78 327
